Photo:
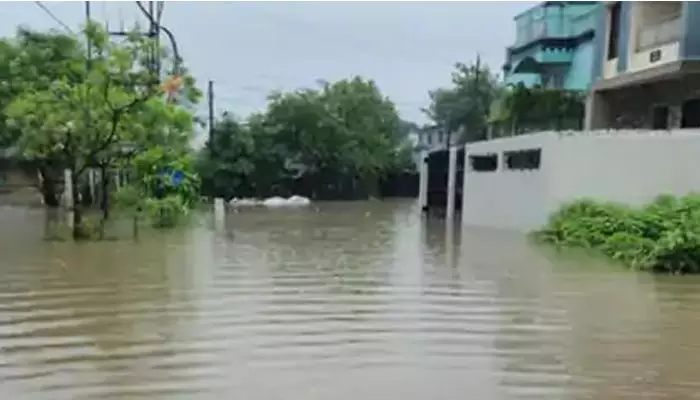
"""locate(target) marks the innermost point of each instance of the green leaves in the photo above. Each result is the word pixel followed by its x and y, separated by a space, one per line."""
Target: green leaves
pixel 345 128
pixel 663 236
pixel 84 111
pixel 521 109
pixel 465 106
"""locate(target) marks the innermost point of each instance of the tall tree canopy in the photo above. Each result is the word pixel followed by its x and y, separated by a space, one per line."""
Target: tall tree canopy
pixel 462 110
pixel 521 109
pixel 341 129
pixel 32 61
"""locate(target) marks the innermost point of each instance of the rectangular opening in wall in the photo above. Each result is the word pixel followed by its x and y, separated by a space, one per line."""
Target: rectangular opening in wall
pixel 690 114
pixel 523 159
pixel 659 117
pixel 614 29
pixel 483 162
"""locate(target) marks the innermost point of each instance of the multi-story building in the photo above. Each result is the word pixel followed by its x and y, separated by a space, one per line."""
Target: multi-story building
pixel 647 66
pixel 554 45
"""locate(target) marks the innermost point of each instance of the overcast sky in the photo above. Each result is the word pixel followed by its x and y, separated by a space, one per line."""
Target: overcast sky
pixel 251 48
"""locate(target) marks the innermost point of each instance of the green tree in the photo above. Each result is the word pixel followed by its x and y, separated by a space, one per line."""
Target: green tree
pixel 345 131
pixel 83 124
pixel 244 159
pixel 227 161
pixel 521 109
pixel 344 127
pixel 463 108
pixel 32 61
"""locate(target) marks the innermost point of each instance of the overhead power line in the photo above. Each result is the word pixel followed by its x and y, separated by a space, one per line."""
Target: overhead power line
pixel 53 16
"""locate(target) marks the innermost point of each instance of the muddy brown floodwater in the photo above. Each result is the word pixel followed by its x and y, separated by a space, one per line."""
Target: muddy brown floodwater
pixel 350 301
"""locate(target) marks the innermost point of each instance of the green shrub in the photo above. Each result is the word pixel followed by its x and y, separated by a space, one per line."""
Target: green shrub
pixel 663 236
pixel 167 212
pixel 129 198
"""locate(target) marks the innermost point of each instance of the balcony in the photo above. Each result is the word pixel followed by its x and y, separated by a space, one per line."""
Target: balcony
pixel 659 35
pixel 655 33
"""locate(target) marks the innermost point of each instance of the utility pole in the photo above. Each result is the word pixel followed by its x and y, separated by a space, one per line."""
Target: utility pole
pixel 88 17
pixel 153 33
pixel 88 70
pixel 210 96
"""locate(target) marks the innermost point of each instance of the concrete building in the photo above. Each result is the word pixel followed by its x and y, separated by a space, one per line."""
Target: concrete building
pixel 434 138
pixel 554 45
pixel 647 66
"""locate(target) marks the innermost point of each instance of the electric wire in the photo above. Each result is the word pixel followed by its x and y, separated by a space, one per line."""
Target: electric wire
pixel 53 16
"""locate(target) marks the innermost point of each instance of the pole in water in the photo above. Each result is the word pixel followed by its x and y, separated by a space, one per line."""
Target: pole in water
pixel 210 97
pixel 219 213
pixel 423 181
pixel 451 182
pixel 68 195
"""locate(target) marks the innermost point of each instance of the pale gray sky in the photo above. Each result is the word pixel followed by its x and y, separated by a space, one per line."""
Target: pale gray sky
pixel 251 48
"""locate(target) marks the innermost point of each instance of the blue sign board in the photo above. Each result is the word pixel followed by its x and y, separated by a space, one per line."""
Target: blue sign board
pixel 176 177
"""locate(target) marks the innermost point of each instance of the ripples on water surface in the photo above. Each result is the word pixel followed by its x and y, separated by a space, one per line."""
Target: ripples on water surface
pixel 353 301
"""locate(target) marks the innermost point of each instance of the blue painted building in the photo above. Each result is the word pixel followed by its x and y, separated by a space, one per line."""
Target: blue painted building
pixel 554 45
pixel 646 68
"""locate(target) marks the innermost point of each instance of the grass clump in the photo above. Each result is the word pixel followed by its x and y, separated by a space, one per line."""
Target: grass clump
pixel 662 237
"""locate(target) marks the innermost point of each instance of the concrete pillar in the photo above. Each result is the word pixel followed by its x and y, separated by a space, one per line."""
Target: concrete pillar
pixel 465 187
pixel 68 200
pixel 450 253
pixel 675 115
pixel 423 181
pixel 596 112
pixel 451 182
pixel 68 189
pixel 91 183
pixel 219 213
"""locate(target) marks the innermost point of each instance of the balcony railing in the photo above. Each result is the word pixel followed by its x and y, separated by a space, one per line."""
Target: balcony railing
pixel 657 35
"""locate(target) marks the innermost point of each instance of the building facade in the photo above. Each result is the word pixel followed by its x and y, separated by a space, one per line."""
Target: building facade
pixel 647 66
pixel 554 45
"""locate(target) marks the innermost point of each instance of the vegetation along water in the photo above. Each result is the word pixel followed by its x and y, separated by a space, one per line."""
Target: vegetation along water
pixel 663 236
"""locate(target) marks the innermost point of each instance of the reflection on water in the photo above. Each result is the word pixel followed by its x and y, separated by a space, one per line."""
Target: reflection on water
pixel 349 301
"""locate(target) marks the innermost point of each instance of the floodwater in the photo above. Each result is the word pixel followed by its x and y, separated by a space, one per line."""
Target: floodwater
pixel 347 301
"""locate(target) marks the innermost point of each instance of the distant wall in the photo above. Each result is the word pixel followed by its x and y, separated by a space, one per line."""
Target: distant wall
pixel 631 167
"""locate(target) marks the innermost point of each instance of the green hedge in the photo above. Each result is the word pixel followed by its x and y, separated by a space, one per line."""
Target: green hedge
pixel 663 236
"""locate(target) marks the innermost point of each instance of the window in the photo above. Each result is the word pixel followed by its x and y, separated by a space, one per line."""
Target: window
pixel 614 32
pixel 659 117
pixel 484 163
pixel 523 159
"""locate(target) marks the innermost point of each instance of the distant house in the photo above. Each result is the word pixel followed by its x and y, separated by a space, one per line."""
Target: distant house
pixel 647 66
pixel 433 137
pixel 554 45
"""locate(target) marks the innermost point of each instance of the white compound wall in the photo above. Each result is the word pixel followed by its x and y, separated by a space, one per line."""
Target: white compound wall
pixel 631 167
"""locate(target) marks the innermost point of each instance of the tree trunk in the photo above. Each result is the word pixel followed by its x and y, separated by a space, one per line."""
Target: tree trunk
pixel 104 204
pixel 78 229
pixel 47 187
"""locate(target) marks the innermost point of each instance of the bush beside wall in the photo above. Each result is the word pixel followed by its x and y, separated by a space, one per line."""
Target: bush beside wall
pixel 662 237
